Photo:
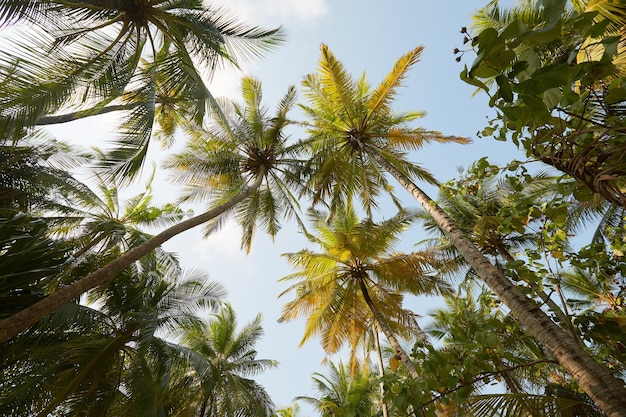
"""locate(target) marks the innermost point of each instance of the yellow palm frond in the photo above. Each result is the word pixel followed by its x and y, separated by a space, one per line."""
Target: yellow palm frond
pixel 384 94
pixel 338 85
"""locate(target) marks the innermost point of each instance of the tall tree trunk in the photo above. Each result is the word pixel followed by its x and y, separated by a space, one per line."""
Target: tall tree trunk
pixel 382 323
pixel 602 387
pixel 561 316
pixel 20 321
pixel 381 372
pixel 69 117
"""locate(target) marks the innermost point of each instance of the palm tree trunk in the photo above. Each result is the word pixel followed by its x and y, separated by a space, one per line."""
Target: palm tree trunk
pixel 602 387
pixel 561 316
pixel 381 372
pixel 20 321
pixel 203 407
pixel 380 320
pixel 69 117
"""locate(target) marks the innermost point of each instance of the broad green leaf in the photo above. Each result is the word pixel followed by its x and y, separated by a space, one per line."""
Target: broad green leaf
pixel 473 81
pixel 552 97
pixel 505 88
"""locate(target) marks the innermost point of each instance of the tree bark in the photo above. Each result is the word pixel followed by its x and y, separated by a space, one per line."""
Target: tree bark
pixel 20 321
pixel 380 320
pixel 602 387
pixel 69 117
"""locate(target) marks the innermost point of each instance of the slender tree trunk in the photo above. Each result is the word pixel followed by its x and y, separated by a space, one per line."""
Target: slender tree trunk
pixel 602 387
pixel 203 407
pixel 68 117
pixel 381 372
pixel 380 320
pixel 561 316
pixel 20 321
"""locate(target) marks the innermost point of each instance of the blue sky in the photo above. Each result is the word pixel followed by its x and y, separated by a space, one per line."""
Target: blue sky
pixel 366 35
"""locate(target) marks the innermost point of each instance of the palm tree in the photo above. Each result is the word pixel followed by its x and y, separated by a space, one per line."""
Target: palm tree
pixel 358 137
pixel 238 160
pixel 356 282
pixel 246 139
pixel 222 359
pixel 35 178
pixel 29 255
pixel 289 411
pixel 99 56
pixel 344 392
pixel 86 360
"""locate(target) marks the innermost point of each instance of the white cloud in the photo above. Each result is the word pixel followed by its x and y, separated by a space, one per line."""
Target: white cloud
pixel 267 11
pixel 223 246
pixel 296 9
pixel 226 83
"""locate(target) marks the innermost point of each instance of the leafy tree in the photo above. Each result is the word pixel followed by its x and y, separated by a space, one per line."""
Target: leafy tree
pixel 511 216
pixel 240 158
pixel 558 86
pixel 357 282
pixel 358 137
pixel 500 351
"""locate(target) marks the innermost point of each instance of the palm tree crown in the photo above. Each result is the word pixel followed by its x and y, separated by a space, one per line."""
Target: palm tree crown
pixel 348 120
pixel 96 56
pixel 223 358
pixel 243 144
pixel 356 263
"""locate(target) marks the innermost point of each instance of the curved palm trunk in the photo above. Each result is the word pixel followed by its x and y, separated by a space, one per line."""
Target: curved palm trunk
pixel 21 321
pixel 603 388
pixel 380 320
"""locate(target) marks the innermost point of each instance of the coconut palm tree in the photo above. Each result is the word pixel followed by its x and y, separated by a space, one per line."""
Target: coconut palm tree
pixel 240 155
pixel 344 392
pixel 358 138
pixel 245 143
pixel 97 56
pixel 289 411
pixel 35 178
pixel 83 360
pixel 357 282
pixel 222 359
